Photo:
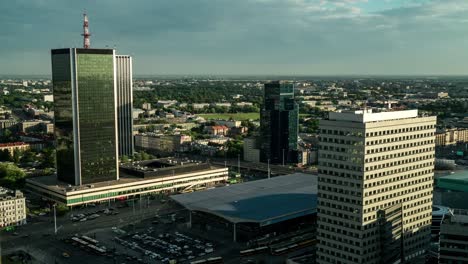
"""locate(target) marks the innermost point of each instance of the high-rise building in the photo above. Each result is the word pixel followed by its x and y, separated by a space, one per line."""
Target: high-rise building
pixel 453 246
pixel 375 186
pixel 279 124
pixel 124 104
pixel 85 115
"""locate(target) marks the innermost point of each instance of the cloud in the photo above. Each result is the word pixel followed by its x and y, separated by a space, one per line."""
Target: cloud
pixel 245 36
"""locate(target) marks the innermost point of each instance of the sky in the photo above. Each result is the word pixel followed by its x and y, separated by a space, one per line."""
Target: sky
pixel 272 37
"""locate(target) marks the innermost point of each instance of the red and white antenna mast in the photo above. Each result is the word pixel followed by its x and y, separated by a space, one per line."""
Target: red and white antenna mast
pixel 86 42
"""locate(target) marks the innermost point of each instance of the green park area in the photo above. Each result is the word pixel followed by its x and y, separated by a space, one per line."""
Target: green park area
pixel 234 116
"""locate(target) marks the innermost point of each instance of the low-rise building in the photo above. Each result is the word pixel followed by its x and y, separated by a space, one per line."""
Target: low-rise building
pixel 136 180
pixel 451 136
pixel 12 208
pixel 200 105
pixel 166 103
pixel 217 130
pixel 228 123
pixel 222 105
pixel 136 113
pixel 146 106
pixel 48 98
pixel 244 104
pixel 251 150
pixel 36 126
pixel 161 142
pixel 14 146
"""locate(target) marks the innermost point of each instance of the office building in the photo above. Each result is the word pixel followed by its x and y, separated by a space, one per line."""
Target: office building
pixel 453 246
pixel 124 78
pixel 279 124
pixel 375 186
pixel 12 208
pixel 85 115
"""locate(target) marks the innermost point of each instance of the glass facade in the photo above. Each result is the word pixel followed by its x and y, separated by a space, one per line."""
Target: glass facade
pixel 279 124
pixel 85 115
pixel 97 116
pixel 63 111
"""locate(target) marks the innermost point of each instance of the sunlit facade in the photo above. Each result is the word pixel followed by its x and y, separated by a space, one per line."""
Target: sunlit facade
pixel 85 115
pixel 375 186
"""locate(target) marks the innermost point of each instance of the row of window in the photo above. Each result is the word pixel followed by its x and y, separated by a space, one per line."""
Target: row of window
pixel 400 162
pixel 131 191
pixel 339 166
pixel 398 139
pixel 400 186
pixel 399 154
pixel 376 133
pixel 402 146
pixel 427 187
pixel 388 180
pixel 399 131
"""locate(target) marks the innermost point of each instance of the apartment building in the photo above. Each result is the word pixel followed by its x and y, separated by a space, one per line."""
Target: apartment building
pixel 12 208
pixel 375 186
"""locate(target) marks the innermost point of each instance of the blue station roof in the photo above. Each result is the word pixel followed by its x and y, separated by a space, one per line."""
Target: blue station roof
pixel 264 202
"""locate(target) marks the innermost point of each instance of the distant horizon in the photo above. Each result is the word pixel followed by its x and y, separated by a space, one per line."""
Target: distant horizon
pixel 264 76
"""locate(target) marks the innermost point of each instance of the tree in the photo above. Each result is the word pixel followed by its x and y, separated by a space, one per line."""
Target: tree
pixel 124 159
pixel 28 156
pixel 11 176
pixel 49 158
pixel 5 155
pixel 16 156
pixel 145 156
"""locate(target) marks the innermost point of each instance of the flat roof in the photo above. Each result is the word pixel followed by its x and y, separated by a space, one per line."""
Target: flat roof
pixel 264 202
pixel 458 181
pixel 366 115
pixel 53 184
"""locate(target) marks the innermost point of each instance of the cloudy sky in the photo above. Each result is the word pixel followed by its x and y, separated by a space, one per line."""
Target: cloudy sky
pixel 301 37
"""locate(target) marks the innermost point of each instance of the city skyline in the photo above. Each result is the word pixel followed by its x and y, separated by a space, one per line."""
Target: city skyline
pixel 255 37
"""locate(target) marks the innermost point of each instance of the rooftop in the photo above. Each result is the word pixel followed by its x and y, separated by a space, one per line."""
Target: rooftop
pixel 457 181
pixel 53 184
pixel 264 201
pixel 458 216
pixel 6 194
pixel 12 144
pixel 366 115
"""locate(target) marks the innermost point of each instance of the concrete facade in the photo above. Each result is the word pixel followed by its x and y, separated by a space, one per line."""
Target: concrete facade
pixel 12 208
pixel 375 186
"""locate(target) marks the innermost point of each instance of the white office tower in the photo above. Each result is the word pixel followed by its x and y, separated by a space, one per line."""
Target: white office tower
pixel 375 186
pixel 124 80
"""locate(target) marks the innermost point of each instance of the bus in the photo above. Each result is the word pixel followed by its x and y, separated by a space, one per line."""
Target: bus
pixel 90 240
pixel 253 251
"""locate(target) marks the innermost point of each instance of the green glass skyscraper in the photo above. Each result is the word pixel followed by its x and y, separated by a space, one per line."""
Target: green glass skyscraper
pixel 85 109
pixel 279 124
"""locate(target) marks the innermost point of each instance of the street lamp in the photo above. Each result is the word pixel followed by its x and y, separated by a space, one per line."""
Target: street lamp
pixel 238 163
pixel 283 157
pixel 55 218
pixel 268 170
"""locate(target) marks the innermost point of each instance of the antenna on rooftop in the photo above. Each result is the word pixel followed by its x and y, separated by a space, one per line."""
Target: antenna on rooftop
pixel 86 34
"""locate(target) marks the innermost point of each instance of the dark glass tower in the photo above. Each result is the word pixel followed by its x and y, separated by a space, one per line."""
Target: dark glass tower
pixel 279 124
pixel 85 115
pixel 124 104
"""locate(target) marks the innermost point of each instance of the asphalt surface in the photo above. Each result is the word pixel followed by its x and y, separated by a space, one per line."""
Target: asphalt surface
pixel 38 238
